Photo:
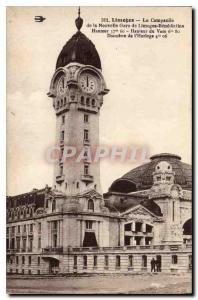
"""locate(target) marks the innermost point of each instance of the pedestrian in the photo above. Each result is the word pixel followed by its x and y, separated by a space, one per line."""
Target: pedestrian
pixel 158 265
pixel 153 265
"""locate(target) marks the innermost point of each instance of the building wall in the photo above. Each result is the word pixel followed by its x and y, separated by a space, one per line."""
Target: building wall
pixel 66 262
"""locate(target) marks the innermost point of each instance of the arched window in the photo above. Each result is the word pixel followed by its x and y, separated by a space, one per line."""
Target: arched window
pixel 91 205
pixel 93 102
pixel 61 102
pixel 65 100
pixel 88 102
pixel 53 205
pixel 82 100
pixel 58 104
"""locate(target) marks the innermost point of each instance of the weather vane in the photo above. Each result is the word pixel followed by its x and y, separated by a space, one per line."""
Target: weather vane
pixel 79 20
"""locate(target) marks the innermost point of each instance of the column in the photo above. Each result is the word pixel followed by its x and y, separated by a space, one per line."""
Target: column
pixel 61 233
pixel 121 233
pixel 144 227
pixel 101 236
pixel 78 243
pixel 133 226
pixel 98 233
pixel 83 232
pixel 132 241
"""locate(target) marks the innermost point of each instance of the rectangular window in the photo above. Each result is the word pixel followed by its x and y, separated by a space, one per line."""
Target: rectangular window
pixel 31 227
pixel 39 243
pixel 17 271
pixel 7 230
pixel 86 118
pixel 85 261
pixel 86 170
pixel 23 260
pixel 117 261
pixel 18 243
pixel 39 261
pixel 29 260
pixel 24 244
pixel 31 244
pixel 38 272
pixel 18 228
pixel 17 260
pixel 144 261
pixel 86 135
pixel 190 261
pixel 95 261
pixel 13 230
pixel 174 259
pixel 130 261
pixel 39 228
pixel 75 261
pixel 29 272
pixel 63 119
pixel 89 224
pixel 106 261
pixel 24 228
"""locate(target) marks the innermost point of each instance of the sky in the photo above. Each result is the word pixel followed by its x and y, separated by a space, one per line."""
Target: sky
pixel 149 103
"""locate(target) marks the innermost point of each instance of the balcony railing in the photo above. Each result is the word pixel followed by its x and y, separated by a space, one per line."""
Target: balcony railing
pixel 135 247
pixel 52 250
pixel 11 251
pixel 87 178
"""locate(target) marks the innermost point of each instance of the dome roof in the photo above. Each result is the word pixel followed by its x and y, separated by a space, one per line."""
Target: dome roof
pixel 79 49
pixel 141 177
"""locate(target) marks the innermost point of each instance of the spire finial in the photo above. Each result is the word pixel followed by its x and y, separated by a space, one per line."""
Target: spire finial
pixel 79 20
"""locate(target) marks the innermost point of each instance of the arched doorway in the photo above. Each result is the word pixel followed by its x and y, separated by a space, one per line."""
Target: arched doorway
pixel 53 264
pixel 187 232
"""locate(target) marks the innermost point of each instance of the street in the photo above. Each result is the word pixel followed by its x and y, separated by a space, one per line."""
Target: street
pixel 102 284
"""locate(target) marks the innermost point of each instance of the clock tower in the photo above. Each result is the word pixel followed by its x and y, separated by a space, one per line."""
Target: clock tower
pixel 77 89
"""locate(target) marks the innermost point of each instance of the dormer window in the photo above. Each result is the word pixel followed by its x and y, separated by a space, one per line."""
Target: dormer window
pixel 90 205
pixel 53 205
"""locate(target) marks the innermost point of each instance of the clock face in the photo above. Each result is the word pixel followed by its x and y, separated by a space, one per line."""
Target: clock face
pixel 88 83
pixel 62 85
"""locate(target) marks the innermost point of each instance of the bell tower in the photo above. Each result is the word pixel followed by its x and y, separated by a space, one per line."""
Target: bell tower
pixel 77 88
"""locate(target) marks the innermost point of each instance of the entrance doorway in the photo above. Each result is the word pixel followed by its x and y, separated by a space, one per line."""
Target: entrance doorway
pixel 53 266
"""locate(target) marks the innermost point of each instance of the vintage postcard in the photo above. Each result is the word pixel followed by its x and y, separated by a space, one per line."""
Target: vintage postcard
pixel 99 176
